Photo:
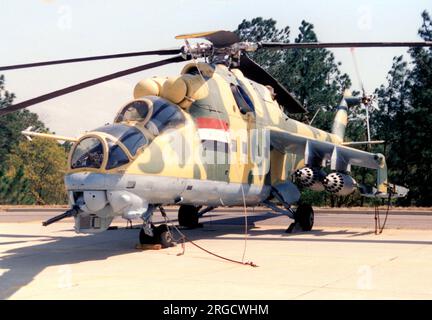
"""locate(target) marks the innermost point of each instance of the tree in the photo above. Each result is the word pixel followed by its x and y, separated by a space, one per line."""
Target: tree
pixel 312 75
pixel 12 124
pixel 43 162
pixel 29 172
pixel 6 97
pixel 404 120
pixel 15 189
pixel 418 123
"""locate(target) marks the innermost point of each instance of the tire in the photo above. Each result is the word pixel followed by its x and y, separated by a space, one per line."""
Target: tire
pixel 166 239
pixel 145 238
pixel 164 236
pixel 188 216
pixel 305 216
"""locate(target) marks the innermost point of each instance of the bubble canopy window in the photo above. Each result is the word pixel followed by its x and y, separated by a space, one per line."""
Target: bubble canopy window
pixel 137 110
pixel 131 137
pixel 116 156
pixel 88 154
pixel 156 113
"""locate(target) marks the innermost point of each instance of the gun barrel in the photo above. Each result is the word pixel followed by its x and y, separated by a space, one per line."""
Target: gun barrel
pixel 70 213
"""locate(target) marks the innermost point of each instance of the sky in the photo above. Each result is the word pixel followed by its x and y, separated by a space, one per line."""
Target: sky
pixel 37 30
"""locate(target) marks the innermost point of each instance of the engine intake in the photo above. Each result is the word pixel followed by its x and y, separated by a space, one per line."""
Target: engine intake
pixel 310 178
pixel 339 184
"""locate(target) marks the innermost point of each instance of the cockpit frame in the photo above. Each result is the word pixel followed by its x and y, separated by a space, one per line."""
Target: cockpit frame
pixel 104 138
pixel 144 121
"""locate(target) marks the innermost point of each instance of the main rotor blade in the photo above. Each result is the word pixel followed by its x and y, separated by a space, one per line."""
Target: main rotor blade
pixel 256 73
pixel 219 38
pixel 86 84
pixel 104 57
pixel 314 45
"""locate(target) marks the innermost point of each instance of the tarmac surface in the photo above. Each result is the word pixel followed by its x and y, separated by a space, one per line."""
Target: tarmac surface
pixel 341 258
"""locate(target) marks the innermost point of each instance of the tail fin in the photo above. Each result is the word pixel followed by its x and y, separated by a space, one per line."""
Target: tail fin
pixel 341 118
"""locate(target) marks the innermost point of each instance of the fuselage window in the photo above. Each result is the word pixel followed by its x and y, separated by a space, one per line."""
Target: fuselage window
pixel 246 97
pixel 243 101
pixel 88 154
pixel 165 115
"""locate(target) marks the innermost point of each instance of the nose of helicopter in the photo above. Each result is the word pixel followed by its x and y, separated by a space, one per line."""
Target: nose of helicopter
pixel 104 196
pixel 85 181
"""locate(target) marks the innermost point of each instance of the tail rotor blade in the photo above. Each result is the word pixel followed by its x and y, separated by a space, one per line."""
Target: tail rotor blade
pixel 357 71
pixel 366 100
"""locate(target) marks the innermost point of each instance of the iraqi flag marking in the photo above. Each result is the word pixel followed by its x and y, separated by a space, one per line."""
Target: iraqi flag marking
pixel 213 129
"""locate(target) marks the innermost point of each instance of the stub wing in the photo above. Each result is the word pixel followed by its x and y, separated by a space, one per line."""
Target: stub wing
pixel 395 191
pixel 319 153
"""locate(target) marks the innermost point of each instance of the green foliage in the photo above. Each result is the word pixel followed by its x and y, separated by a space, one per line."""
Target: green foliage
pixel 29 172
pixel 314 198
pixel 43 162
pixel 6 97
pixel 15 189
pixel 12 124
pixel 33 172
pixel 312 75
pixel 404 120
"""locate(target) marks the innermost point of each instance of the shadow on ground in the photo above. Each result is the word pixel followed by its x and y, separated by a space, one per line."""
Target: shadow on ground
pixel 24 263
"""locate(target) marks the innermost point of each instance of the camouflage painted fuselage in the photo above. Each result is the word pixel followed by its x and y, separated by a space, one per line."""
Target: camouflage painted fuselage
pixel 183 164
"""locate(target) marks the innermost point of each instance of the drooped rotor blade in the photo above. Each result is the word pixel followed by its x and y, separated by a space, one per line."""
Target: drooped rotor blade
pixel 219 39
pixel 256 73
pixel 103 57
pixel 87 84
pixel 314 45
pixel 357 71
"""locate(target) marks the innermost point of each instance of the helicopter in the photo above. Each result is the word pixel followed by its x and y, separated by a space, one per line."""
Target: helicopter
pixel 217 135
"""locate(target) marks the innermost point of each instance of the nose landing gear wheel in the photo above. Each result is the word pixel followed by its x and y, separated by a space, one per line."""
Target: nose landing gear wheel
pixel 164 236
pixel 161 235
pixel 144 238
pixel 188 216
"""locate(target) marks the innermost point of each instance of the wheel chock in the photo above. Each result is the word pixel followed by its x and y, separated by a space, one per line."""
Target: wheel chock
pixel 148 246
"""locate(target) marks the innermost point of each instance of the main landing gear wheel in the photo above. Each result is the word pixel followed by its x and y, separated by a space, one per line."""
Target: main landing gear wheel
pixel 188 216
pixel 304 216
pixel 161 235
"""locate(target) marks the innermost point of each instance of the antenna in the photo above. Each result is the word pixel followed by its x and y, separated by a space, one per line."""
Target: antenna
pixel 316 113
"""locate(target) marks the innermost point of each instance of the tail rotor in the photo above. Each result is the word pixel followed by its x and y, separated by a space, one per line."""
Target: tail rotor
pixel 366 99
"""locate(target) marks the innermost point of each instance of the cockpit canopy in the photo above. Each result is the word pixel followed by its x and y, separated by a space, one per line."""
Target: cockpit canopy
pixel 88 153
pixel 131 137
pixel 155 113
pixel 126 136
pixel 137 110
